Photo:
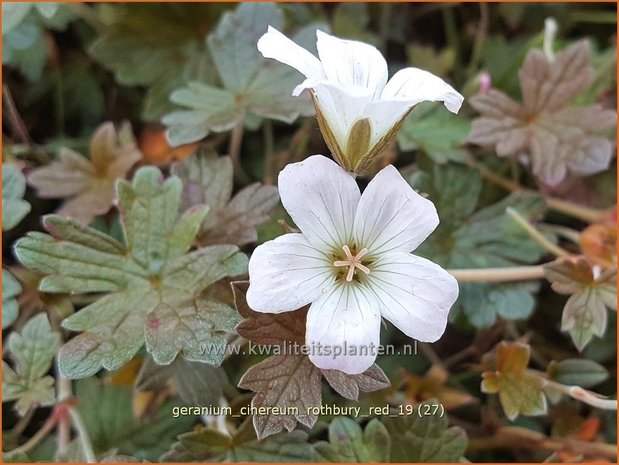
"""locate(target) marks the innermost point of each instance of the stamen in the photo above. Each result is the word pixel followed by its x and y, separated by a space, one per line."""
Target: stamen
pixel 352 262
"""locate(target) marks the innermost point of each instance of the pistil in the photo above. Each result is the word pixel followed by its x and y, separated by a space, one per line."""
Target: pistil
pixel 352 262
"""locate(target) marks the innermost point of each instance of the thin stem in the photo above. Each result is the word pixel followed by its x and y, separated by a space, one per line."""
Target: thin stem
pixel 523 438
pixel 82 434
pixel 453 39
pixel 535 234
pixel 18 127
pixel 269 152
pixel 580 212
pixel 578 393
pixel 63 392
pixel 41 434
pixel 22 424
pixel 563 231
pixel 234 150
pixel 517 273
pixel 480 38
pixel 587 214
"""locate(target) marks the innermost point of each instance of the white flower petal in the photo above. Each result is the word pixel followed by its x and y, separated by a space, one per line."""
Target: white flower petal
pixel 416 85
pixel 340 107
pixel 321 198
pixel 352 63
pixel 391 216
pixel 384 115
pixel 276 45
pixel 287 273
pixel 414 294
pixel 345 320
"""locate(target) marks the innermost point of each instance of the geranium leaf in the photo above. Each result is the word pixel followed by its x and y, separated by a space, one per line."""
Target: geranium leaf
pixel 88 184
pixel 416 439
pixel 349 386
pixel 196 383
pixel 555 138
pixel 577 372
pixel 210 445
pixel 207 179
pixel 486 238
pixel 438 133
pixel 154 284
pixel 520 392
pixel 246 78
pixel 10 289
pixel 284 382
pixel 349 443
pixel 591 293
pixel 111 425
pixel 288 378
pixel 14 207
pixel 32 351
pixel 161 47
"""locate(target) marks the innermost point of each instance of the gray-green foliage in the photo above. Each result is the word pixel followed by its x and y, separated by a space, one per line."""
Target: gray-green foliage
pixel 154 286
pixel 486 238
pixel 23 31
pixel 14 207
pixel 108 417
pixel 32 351
pixel 10 289
pixel 436 132
pixel 246 80
pixel 348 442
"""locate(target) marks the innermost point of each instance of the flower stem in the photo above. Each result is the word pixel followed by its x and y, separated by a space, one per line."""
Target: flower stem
pixel 578 393
pixel 517 273
pixel 580 212
pixel 41 434
pixel 535 234
pixel 82 434
pixel 269 152
pixel 234 150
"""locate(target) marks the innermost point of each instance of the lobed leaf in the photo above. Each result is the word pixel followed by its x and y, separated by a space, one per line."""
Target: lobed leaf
pixel 33 352
pixel 155 288
pixel 88 184
pixel 207 179
pixel 350 444
pixel 14 207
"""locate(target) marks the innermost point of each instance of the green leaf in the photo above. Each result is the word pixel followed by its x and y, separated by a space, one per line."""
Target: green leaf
pixel 207 179
pixel 577 372
pixel 207 445
pixel 247 80
pixel 466 238
pixel 159 46
pixel 438 133
pixel 14 207
pixel 520 392
pixel 424 438
pixel 349 443
pixel 32 351
pixel 155 287
pixel 10 289
pixel 196 383
pixel 106 411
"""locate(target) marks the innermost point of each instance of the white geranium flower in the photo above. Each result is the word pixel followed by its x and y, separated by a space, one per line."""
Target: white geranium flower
pixel 358 111
pixel 352 262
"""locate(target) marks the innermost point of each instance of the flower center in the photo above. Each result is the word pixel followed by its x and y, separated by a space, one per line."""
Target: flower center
pixel 352 262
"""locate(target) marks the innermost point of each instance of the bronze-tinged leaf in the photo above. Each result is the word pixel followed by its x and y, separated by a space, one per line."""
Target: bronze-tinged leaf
pixel 557 140
pixel 591 291
pixel 89 184
pixel 207 179
pixel 287 387
pixel 275 329
pixel 349 386
pixel 520 392
pixel 599 244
